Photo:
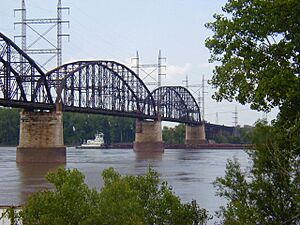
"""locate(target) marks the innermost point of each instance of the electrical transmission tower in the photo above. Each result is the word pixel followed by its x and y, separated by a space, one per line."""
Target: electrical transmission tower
pixel 235 117
pixel 41 43
pixel 147 71
pixel 197 89
pixel 203 93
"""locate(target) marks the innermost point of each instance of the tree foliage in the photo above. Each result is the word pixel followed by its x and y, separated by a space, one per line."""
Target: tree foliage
pixel 269 192
pixel 79 127
pixel 242 135
pixel 174 135
pixel 72 202
pixel 256 45
pixel 9 126
pixel 122 200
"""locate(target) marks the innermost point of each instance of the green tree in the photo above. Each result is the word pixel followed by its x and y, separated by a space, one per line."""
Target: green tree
pixel 79 127
pixel 122 130
pixel 256 45
pixel 174 135
pixel 72 202
pixel 245 134
pixel 222 137
pixel 268 193
pixel 122 200
pixel 9 126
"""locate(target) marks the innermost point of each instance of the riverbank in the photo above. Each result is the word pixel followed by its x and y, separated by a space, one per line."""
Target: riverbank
pixel 170 146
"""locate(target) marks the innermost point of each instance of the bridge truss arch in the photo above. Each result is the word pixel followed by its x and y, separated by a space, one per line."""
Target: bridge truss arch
pixel 177 104
pixel 22 81
pixel 105 87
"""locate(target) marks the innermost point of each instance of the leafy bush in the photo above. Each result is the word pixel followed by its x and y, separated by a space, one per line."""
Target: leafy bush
pixel 122 200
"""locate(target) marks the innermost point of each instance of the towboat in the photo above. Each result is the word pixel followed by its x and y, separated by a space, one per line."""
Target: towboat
pixel 98 142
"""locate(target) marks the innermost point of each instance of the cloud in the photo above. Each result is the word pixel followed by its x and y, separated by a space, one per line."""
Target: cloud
pixel 206 66
pixel 175 70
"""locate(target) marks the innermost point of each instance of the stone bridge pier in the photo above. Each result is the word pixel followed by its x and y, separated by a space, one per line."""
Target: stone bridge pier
pixel 148 136
pixel 41 137
pixel 195 135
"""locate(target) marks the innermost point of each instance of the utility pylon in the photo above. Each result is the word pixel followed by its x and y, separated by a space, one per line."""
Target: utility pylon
pixel 197 89
pixel 203 98
pixel 46 46
pixel 235 117
pixel 146 71
pixel 22 10
pixel 186 81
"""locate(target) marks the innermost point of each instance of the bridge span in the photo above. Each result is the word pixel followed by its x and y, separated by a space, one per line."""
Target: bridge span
pixel 102 86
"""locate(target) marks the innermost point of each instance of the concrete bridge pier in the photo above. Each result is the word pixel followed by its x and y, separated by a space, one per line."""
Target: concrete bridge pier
pixel 195 134
pixel 148 137
pixel 41 137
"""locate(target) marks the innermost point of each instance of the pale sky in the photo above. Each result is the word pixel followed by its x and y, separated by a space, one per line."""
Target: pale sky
pixel 116 29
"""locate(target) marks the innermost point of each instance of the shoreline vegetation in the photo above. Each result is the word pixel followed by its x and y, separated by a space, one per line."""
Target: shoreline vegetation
pixel 80 127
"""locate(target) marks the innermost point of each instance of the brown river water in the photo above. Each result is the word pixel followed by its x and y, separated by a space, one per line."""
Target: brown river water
pixel 189 172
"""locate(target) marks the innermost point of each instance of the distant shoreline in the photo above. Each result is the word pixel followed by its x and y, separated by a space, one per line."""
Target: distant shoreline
pixel 189 146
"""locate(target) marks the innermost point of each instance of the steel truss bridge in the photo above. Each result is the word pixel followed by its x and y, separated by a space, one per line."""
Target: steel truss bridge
pixel 104 87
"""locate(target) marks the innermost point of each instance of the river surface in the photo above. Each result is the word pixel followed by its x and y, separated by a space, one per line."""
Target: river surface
pixel 189 172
